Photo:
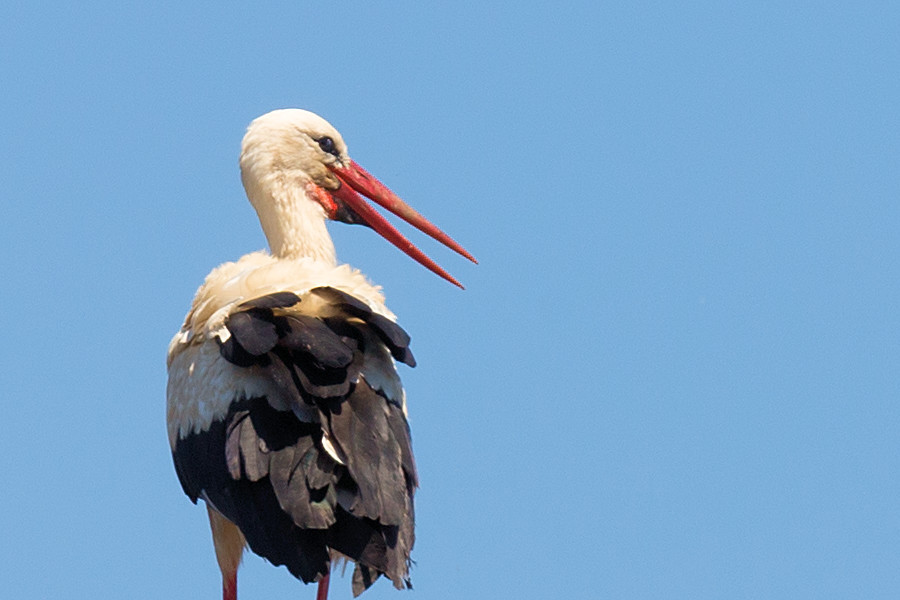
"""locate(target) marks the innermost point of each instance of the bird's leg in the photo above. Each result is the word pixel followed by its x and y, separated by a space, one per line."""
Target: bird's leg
pixel 322 593
pixel 229 587
pixel 229 543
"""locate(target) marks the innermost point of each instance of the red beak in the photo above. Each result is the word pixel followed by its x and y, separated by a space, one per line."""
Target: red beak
pixel 359 181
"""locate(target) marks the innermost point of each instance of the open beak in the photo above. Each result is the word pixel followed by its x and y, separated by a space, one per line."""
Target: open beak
pixel 358 181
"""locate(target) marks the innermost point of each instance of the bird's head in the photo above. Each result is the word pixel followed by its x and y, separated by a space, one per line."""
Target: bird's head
pixel 293 153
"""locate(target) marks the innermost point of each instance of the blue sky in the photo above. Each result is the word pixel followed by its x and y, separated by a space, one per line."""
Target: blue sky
pixel 674 373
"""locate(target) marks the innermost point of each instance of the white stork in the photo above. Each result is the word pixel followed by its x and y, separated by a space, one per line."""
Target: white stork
pixel 285 411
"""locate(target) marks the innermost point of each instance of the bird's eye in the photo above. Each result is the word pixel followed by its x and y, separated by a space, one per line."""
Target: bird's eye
pixel 327 145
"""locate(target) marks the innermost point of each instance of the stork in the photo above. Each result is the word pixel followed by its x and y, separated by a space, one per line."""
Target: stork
pixel 285 411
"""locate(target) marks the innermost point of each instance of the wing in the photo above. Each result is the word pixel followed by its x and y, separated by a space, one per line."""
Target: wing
pixel 326 463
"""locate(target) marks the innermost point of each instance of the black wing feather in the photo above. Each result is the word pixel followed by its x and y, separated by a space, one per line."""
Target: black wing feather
pixel 267 470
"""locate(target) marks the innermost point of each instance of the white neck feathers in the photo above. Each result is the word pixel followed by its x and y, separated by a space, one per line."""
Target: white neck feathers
pixel 293 223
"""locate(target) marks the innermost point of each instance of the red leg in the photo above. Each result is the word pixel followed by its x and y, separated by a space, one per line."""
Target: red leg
pixel 229 543
pixel 229 587
pixel 322 594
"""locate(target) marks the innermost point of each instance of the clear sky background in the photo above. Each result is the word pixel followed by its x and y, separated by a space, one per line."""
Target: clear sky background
pixel 674 373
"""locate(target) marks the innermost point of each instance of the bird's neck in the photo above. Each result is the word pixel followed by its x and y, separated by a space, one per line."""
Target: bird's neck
pixel 294 225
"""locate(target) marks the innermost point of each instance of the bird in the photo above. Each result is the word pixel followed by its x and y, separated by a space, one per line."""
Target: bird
pixel 285 411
